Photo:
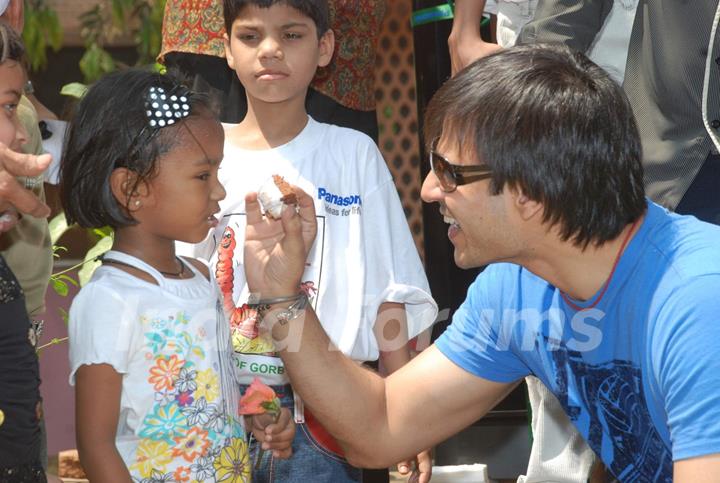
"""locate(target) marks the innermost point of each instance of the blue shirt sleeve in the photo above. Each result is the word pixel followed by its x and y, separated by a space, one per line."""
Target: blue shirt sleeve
pixel 475 340
pixel 686 366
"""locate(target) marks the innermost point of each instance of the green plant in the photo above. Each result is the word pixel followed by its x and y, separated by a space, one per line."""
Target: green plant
pixel 61 281
pixel 42 31
pixel 105 21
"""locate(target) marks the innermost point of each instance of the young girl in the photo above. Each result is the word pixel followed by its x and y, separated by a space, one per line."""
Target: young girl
pixel 20 436
pixel 148 341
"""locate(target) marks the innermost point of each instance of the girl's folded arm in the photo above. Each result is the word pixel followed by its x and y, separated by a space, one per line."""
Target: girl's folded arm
pixel 97 408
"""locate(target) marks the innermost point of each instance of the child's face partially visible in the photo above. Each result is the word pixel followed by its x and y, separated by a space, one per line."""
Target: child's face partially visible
pixel 12 79
pixel 185 193
pixel 275 52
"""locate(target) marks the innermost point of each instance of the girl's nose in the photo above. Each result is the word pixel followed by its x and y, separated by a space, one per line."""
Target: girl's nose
pixel 218 192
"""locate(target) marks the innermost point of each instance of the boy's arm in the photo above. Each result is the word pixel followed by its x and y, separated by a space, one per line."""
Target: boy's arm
pixel 464 42
pixel 97 409
pixel 392 323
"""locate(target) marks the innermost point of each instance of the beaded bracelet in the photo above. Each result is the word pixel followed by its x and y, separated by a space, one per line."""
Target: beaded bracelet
pixel 285 315
pixel 277 300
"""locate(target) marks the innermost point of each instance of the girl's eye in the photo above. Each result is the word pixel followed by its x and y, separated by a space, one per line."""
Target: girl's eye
pixel 293 36
pixel 204 177
pixel 10 108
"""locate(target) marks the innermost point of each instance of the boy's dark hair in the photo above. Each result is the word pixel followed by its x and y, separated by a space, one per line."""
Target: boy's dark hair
pixel 317 10
pixel 549 121
pixel 110 129
pixel 11 45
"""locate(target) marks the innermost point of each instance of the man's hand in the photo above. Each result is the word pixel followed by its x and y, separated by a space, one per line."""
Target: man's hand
pixel 422 471
pixel 275 251
pixel 274 436
pixel 14 197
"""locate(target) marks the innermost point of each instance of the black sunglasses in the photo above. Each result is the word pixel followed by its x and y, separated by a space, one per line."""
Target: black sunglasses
pixel 451 176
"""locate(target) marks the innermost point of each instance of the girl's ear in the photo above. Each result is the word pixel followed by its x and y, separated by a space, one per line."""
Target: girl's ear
pixel 128 190
pixel 327 46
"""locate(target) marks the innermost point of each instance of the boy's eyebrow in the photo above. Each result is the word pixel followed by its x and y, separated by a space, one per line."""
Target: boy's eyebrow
pixel 295 24
pixel 251 26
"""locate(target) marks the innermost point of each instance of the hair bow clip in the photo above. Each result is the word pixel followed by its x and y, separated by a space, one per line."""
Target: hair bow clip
pixel 164 109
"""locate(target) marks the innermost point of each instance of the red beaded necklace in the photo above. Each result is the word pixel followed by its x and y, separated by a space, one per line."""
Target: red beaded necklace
pixel 607 282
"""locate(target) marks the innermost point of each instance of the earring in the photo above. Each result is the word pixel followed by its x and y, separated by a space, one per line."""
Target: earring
pixel 137 203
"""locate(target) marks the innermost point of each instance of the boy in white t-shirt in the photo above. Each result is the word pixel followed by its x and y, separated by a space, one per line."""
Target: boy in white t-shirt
pixel 363 274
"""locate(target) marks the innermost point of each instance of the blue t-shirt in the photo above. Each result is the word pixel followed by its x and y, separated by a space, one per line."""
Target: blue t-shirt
pixel 638 374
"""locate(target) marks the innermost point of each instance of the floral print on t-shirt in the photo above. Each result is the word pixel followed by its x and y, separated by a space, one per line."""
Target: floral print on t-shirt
pixel 186 436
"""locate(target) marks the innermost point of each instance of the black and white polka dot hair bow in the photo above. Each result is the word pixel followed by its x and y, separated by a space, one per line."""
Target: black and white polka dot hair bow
pixel 166 108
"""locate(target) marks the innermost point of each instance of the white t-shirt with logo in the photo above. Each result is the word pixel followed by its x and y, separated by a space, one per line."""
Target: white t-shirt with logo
pixel 363 255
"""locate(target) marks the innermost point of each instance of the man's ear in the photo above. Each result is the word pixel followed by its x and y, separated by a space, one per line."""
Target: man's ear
pixel 228 53
pixel 130 192
pixel 526 207
pixel 327 47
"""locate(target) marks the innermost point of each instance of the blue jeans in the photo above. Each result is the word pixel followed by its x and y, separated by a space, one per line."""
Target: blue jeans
pixel 310 462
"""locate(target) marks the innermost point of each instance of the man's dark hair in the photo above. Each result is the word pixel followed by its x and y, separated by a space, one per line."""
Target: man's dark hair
pixel 550 122
pixel 317 10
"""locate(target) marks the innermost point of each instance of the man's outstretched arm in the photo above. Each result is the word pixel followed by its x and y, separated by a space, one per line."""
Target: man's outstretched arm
pixel 381 421
pixel 377 421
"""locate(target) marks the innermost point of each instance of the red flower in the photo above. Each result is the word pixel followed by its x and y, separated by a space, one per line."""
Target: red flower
pixel 259 399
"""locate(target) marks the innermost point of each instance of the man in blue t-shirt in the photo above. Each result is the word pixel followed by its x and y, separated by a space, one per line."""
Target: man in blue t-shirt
pixel 610 300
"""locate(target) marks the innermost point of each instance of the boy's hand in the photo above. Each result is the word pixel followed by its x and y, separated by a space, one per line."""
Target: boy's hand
pixel 422 471
pixel 275 437
pixel 275 251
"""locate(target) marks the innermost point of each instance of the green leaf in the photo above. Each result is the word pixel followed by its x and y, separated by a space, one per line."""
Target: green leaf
pixel 272 407
pixel 68 279
pixel 90 264
pixel 64 315
pixel 60 287
pixel 57 249
pixel 74 89
pixel 58 226
pixel 96 62
pixel 103 232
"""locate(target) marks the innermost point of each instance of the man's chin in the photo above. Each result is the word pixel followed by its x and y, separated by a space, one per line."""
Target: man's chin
pixel 466 261
pixel 462 261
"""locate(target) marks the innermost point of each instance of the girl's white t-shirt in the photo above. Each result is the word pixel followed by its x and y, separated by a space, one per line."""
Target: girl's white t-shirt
pixel 163 340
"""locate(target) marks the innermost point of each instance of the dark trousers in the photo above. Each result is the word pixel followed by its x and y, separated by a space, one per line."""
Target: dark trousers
pixel 702 199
